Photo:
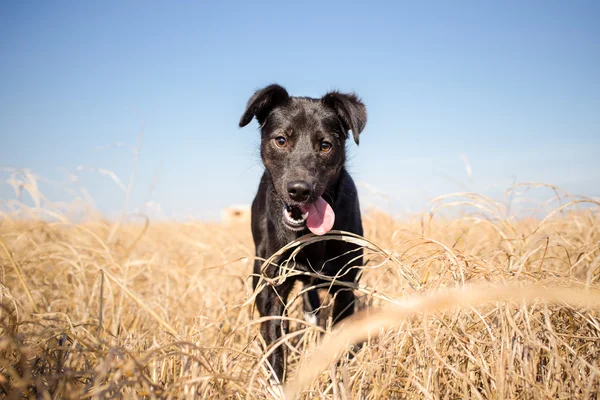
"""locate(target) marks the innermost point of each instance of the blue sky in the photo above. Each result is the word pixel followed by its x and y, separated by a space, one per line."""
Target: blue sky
pixel 512 86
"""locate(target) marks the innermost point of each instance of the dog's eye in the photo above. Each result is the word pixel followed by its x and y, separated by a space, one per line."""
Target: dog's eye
pixel 325 147
pixel 280 141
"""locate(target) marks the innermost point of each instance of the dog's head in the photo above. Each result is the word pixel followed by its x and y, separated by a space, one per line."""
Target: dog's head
pixel 303 148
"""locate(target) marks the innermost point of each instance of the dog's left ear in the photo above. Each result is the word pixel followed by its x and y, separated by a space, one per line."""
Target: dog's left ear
pixel 350 110
pixel 262 102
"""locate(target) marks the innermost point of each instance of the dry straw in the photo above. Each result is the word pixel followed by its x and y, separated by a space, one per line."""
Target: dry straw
pixel 364 324
pixel 472 299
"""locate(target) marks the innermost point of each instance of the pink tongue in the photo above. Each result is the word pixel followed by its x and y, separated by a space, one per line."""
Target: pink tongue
pixel 320 217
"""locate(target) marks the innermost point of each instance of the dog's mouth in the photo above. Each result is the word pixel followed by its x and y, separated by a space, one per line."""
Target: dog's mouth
pixel 294 218
pixel 318 217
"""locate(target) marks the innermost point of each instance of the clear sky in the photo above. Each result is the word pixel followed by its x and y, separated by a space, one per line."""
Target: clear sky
pixel 511 86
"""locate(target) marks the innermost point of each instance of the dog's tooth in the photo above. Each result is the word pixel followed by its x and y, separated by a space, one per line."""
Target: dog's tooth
pixel 304 216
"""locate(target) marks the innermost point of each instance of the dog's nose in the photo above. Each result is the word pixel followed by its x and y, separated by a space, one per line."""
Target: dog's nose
pixel 299 190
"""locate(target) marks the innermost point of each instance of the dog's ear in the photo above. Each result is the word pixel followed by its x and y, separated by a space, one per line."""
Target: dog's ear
pixel 350 110
pixel 262 102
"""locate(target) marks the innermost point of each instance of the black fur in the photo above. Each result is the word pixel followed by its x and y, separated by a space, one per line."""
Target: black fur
pixel 301 162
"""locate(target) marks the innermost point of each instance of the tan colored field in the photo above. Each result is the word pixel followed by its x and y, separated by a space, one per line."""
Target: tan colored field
pixel 165 311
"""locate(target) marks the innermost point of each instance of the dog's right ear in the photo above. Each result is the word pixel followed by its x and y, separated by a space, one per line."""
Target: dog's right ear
pixel 262 102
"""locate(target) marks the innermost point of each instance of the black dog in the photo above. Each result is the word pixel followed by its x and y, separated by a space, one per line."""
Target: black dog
pixel 305 187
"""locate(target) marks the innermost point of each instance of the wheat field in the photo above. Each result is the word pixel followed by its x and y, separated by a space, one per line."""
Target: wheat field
pixel 470 303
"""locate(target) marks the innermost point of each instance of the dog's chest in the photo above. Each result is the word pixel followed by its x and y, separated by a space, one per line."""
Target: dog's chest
pixel 315 258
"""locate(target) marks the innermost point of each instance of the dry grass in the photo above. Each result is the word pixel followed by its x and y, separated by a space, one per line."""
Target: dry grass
pixel 164 310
